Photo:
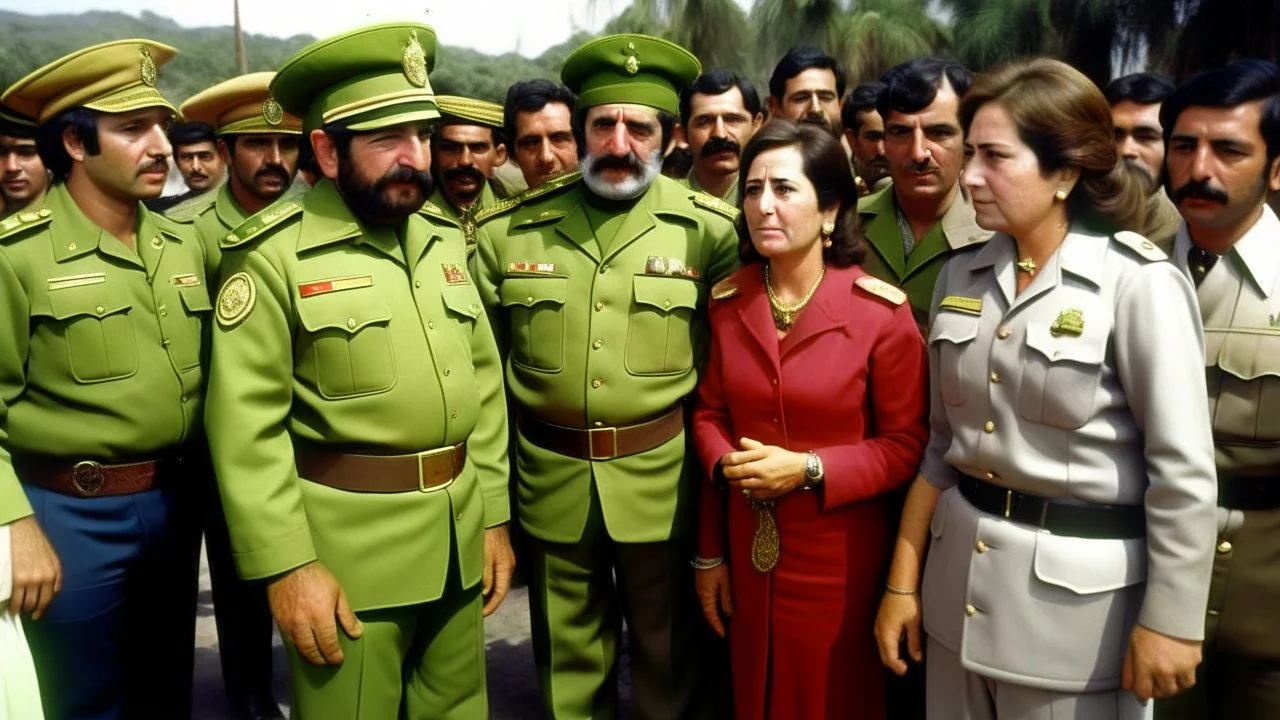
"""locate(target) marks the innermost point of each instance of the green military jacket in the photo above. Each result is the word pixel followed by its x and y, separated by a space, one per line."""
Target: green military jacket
pixel 730 196
pixel 465 219
pixel 217 213
pixel 608 338
pixel 357 340
pixel 100 345
pixel 916 274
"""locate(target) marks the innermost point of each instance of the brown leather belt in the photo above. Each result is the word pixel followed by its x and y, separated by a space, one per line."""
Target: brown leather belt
pixel 89 478
pixel 424 471
pixel 603 443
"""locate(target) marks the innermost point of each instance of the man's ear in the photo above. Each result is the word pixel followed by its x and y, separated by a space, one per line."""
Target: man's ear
pixel 224 151
pixel 1273 177
pixel 326 153
pixel 500 154
pixel 72 143
pixel 772 102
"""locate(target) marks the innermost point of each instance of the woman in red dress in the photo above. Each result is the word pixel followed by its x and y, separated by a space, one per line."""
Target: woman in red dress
pixel 811 411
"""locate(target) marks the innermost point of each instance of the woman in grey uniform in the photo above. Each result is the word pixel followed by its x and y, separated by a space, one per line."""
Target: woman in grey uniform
pixel 1068 486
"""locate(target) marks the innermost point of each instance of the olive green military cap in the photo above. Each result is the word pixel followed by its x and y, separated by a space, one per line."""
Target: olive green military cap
pixel 240 106
pixel 468 110
pixel 368 78
pixel 12 123
pixel 630 69
pixel 113 77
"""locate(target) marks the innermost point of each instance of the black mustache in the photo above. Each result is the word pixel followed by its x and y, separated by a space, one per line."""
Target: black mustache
pixel 403 174
pixel 159 164
pixel 620 162
pixel 718 144
pixel 1200 189
pixel 276 171
pixel 464 172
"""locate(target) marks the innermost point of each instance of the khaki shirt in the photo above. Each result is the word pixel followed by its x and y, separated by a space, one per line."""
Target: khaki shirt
pixel 1162 221
pixel 362 342
pixel 1086 387
pixel 606 338
pixel 100 345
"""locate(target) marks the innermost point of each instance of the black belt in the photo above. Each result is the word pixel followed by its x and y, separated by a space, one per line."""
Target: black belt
pixel 1248 493
pixel 1112 522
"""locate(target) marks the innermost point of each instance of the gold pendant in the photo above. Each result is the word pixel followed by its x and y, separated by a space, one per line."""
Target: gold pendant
pixel 1027 265
pixel 765 545
pixel 782 319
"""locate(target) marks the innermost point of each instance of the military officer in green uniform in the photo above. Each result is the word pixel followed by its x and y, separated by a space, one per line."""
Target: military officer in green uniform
pixel 597 285
pixel 258 142
pixel 23 178
pixel 103 307
pixel 357 417
pixel 465 149
pixel 919 221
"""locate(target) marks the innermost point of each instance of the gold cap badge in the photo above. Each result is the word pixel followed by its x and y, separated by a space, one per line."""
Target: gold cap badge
pixel 632 64
pixel 414 61
pixel 148 67
pixel 272 112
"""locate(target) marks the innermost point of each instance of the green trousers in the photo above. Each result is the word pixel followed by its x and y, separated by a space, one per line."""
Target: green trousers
pixel 1240 676
pixel 420 662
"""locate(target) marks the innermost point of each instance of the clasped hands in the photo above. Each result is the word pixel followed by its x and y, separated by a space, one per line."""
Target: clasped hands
pixel 764 472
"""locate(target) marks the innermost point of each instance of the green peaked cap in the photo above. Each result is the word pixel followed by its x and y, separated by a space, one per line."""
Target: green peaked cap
pixel 638 69
pixel 368 78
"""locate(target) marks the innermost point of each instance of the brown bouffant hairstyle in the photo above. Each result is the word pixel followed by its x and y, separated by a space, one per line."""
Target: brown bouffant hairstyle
pixel 1066 121
pixel 827 168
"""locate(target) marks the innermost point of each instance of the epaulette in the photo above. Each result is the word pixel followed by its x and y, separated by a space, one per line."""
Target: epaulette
pixel 881 289
pixel 188 210
pixel 726 288
pixel 511 203
pixel 432 210
pixel 715 205
pixel 1140 245
pixel 20 221
pixel 257 224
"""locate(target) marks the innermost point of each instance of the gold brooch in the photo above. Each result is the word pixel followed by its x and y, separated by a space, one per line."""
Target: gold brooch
pixel 1069 322
pixel 414 61
pixel 148 67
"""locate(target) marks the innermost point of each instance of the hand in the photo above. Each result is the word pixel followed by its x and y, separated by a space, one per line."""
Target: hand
pixel 499 563
pixel 305 601
pixel 714 595
pixel 768 471
pixel 37 573
pixel 898 614
pixel 1158 666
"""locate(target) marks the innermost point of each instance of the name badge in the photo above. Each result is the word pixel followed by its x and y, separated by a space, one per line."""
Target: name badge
pixel 71 281
pixel 185 280
pixel 961 304
pixel 321 287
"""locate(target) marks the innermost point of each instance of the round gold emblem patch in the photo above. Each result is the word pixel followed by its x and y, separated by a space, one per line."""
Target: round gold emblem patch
pixel 235 299
pixel 148 67
pixel 272 112
pixel 414 61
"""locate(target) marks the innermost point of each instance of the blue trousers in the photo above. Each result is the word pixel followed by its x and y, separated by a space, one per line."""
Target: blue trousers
pixel 118 639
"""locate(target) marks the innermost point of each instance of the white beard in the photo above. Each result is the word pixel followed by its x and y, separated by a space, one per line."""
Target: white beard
pixel 628 189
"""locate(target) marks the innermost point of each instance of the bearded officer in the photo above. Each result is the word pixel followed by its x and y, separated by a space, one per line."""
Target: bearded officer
pixel 103 307
pixel 597 285
pixel 357 415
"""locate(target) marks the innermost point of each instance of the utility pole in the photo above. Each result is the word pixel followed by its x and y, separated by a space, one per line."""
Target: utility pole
pixel 242 63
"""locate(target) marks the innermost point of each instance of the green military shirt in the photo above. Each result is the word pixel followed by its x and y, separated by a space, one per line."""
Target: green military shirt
pixel 918 272
pixel 361 341
pixel 603 338
pixel 465 219
pixel 730 196
pixel 215 214
pixel 100 345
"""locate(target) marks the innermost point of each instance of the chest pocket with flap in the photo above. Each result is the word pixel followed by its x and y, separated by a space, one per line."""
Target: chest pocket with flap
pixel 347 343
pixel 1060 377
pixel 660 331
pixel 952 334
pixel 1248 403
pixel 99 333
pixel 535 308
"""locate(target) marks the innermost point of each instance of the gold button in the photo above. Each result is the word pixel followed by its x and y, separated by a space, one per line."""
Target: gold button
pixel 185 399
pixel 1146 245
pixel 995 376
pixel 459 516
pixel 990 476
pixel 446 372
pixel 1224 547
pixel 164 311
pixel 596 383
pixel 599 306
pixel 604 269
pixel 99 309
pixel 989 427
pixel 351 323
pixel 980 547
pixel 529 299
pixel 597 424
pixel 666 303
pixel 1003 333
pixel 44 212
pixel 597 343
pixel 71 247
pixel 431 325
pixel 417 283
pixel 475 308
pixel 157 242
pixel 774 381
pixel 970 610
pixel 453 415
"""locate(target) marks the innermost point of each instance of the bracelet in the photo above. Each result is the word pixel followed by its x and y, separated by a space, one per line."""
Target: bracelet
pixel 899 591
pixel 701 563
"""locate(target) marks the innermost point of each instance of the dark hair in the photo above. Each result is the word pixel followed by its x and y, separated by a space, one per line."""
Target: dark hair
pixel 495 135
pixel 796 61
pixel 307 155
pixel 1232 84
pixel 190 133
pixel 827 169
pixel 718 81
pixel 913 85
pixel 83 123
pixel 1065 120
pixel 1140 88
pixel 665 119
pixel 532 96
pixel 864 98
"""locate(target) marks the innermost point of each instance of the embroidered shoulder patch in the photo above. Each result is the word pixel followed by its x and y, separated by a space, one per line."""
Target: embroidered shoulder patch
pixel 881 289
pixel 235 300
pixel 21 221
pixel 716 205
pixel 724 289
pixel 260 223
pixel 505 206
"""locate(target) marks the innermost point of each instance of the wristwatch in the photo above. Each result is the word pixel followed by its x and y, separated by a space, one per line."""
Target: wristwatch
pixel 813 470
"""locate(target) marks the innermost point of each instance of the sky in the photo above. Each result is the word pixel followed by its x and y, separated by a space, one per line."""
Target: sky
pixel 489 26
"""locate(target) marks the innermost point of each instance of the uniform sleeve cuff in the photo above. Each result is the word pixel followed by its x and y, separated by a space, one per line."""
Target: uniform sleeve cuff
pixel 279 556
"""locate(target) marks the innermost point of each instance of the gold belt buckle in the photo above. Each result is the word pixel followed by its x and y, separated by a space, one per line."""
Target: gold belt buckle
pixel 434 481
pixel 1008 503
pixel 611 433
pixel 88 477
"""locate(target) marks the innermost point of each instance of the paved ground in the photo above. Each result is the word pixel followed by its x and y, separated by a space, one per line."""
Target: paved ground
pixel 513 691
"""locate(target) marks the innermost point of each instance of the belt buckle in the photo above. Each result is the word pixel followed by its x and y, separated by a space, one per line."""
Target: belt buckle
pixel 421 460
pixel 88 477
pixel 612 434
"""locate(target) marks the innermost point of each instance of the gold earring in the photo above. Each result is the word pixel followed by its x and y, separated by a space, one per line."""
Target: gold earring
pixel 1060 196
pixel 827 229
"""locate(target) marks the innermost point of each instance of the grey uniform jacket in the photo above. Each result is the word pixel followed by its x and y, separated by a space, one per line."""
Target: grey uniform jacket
pixel 1086 387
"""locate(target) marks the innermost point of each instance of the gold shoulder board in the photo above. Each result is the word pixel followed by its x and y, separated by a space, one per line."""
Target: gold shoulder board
pixel 505 206
pixel 715 205
pixel 1140 245
pixel 881 289
pixel 432 210
pixel 726 288
pixel 256 225
pixel 18 222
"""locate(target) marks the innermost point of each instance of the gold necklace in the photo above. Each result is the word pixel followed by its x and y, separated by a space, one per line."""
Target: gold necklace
pixel 784 316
